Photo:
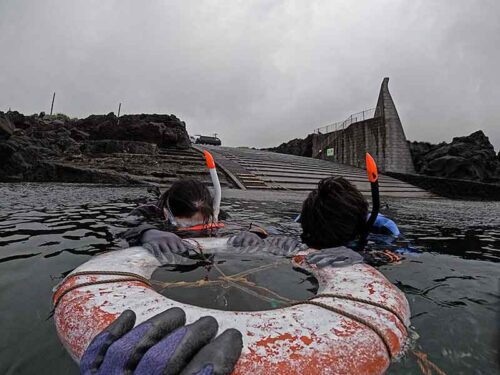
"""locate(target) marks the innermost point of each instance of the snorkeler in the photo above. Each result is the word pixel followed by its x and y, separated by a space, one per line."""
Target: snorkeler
pixel 335 220
pixel 186 209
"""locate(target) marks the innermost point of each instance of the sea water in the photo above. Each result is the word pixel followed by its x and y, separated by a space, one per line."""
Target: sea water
pixel 451 279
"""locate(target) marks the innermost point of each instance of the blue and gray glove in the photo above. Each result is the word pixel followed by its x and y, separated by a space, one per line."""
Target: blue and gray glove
pixel 245 239
pixel 283 245
pixel 167 247
pixel 334 257
pixel 162 345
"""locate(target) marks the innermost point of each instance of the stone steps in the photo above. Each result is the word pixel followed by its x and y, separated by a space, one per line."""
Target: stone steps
pixel 256 169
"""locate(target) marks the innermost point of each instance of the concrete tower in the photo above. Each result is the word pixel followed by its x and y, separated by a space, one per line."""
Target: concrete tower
pixel 397 151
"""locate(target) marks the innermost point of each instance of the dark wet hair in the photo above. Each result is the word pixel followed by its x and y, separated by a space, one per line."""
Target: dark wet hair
pixel 333 214
pixel 186 197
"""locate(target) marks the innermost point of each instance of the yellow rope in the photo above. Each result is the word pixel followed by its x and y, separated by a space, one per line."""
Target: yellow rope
pixel 426 365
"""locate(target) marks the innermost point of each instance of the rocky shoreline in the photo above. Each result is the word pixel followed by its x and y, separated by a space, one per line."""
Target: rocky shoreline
pixel 470 158
pixel 297 146
pixel 133 149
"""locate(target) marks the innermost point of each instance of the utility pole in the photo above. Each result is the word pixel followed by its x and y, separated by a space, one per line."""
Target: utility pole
pixel 119 109
pixel 52 106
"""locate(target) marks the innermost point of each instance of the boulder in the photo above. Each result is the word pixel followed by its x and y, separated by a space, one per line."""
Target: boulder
pixel 6 128
pixel 469 158
pixel 45 148
pixel 298 146
pixel 162 130
pixel 20 121
pixel 19 155
pixel 78 135
pixel 111 146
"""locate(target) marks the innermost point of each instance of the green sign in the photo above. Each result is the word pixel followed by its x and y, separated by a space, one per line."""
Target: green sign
pixel 329 152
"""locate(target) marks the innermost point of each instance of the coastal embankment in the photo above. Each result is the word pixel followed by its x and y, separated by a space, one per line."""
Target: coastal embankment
pixel 466 168
pixel 129 150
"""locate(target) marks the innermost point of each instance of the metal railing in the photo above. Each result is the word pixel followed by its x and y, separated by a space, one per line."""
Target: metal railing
pixel 341 125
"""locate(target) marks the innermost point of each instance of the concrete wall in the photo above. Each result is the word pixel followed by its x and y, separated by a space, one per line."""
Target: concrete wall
pixel 350 145
pixel 382 136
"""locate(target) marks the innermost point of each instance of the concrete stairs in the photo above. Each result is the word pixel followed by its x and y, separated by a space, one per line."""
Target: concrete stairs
pixel 256 169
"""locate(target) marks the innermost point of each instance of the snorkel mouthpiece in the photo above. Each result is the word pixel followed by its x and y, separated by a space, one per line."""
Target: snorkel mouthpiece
pixel 215 182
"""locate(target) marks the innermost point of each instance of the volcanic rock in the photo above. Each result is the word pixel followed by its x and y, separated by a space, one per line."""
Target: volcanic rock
pixel 110 146
pixel 132 149
pixel 298 146
pixel 162 130
pixel 6 128
pixel 469 158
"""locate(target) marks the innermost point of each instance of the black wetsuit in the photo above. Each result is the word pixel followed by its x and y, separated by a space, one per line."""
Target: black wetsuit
pixel 150 216
pixel 142 219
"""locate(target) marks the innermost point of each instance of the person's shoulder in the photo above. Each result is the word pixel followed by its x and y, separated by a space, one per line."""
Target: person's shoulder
pixel 144 213
pixel 149 211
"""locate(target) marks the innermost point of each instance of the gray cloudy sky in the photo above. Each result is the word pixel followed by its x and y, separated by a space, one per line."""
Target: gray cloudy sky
pixel 257 72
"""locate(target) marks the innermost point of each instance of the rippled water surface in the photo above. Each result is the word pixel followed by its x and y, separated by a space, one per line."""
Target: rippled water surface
pixel 46 230
pixel 236 283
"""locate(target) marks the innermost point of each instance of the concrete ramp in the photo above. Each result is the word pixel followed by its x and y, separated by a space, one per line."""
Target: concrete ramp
pixel 256 169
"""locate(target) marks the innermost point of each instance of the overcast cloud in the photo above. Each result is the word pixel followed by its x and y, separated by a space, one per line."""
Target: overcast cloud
pixel 257 72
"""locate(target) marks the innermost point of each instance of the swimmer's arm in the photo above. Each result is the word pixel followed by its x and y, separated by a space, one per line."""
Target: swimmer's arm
pixel 139 221
pixel 134 235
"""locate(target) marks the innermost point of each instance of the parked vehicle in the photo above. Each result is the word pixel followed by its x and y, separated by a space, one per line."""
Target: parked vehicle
pixel 208 140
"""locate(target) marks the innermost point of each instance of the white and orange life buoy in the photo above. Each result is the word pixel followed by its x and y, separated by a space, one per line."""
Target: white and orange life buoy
pixel 356 327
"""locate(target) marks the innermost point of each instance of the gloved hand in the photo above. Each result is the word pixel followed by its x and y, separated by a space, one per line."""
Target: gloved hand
pixel 165 246
pixel 283 245
pixel 162 345
pixel 334 257
pixel 244 239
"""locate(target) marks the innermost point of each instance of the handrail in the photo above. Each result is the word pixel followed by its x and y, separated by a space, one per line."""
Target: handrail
pixel 341 125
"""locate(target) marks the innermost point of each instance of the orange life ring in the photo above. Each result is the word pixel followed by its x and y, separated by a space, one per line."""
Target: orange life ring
pixel 357 327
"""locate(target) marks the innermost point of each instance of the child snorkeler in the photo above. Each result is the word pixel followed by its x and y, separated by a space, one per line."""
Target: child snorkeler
pixel 334 220
pixel 186 209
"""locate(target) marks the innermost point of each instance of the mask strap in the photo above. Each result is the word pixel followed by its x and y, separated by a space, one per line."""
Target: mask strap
pixel 171 217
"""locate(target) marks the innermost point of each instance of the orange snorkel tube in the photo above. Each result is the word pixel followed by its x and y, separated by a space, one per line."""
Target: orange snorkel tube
pixel 217 198
pixel 372 171
pixel 215 182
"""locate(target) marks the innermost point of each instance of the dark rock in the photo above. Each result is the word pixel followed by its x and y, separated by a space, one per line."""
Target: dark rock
pixel 162 130
pixel 19 155
pixel 47 171
pixel 110 146
pixel 20 121
pixel 469 158
pixel 455 167
pixel 452 188
pixel 298 146
pixel 78 135
pixel 48 148
pixel 6 128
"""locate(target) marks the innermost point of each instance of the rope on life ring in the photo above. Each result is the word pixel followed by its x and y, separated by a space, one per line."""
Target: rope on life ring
pixel 129 277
